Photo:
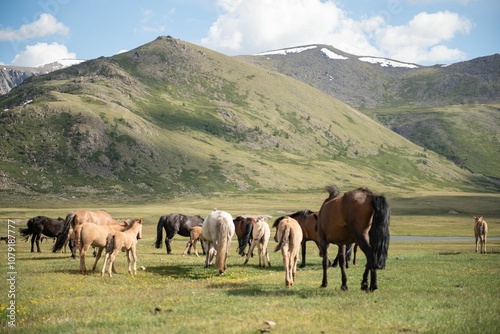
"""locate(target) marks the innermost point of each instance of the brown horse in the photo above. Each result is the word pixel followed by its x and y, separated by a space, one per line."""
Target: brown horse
pixel 480 232
pixel 260 237
pixel 123 241
pixel 194 236
pixel 357 216
pixel 90 234
pixel 100 217
pixel 243 228
pixel 289 236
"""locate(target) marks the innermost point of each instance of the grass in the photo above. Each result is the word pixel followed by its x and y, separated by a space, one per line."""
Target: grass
pixel 427 287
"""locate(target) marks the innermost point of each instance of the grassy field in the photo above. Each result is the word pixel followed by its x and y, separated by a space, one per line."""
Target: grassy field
pixel 427 287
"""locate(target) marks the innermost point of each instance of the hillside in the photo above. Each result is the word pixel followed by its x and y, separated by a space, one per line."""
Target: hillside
pixel 171 118
pixel 451 110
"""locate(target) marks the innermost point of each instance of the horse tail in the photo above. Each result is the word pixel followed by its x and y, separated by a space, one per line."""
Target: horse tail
pixel 284 238
pixel 27 231
pixel 78 236
pixel 110 243
pixel 63 233
pixel 379 232
pixel 159 231
pixel 245 238
pixel 224 238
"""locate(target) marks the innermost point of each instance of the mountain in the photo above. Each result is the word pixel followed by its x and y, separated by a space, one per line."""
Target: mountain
pixel 13 76
pixel 172 118
pixel 451 110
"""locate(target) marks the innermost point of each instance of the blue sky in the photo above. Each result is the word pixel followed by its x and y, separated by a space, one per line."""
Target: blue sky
pixel 425 32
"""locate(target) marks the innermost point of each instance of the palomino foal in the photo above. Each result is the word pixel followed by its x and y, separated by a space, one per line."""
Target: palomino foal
pixel 289 237
pixel 260 236
pixel 480 232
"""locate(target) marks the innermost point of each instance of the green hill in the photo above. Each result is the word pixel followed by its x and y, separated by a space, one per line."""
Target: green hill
pixel 172 118
pixel 451 110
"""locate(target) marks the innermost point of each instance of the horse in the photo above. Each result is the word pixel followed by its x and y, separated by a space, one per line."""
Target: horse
pixel 73 219
pixel 289 237
pixel 260 236
pixel 175 223
pixel 123 241
pixel 480 232
pixel 308 222
pixel 194 236
pixel 218 230
pixel 41 225
pixel 358 216
pixel 243 228
pixel 90 234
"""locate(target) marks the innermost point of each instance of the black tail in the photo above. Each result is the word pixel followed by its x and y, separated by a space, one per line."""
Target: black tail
pixel 244 240
pixel 379 232
pixel 25 232
pixel 63 234
pixel 110 243
pixel 159 231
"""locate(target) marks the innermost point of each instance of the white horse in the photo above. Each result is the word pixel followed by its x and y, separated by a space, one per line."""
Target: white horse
pixel 289 238
pixel 218 230
pixel 260 236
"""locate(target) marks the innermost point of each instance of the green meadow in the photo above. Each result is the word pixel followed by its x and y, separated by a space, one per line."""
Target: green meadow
pixel 427 287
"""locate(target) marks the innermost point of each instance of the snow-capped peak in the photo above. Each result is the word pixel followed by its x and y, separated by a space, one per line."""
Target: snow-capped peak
pixel 386 62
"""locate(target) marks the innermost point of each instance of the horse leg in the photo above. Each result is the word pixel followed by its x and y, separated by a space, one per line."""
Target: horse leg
pixel 83 251
pixel 476 243
pixel 373 280
pixel 38 236
pixel 33 243
pixel 97 257
pixel 187 247
pixel 262 261
pixel 303 246
pixel 365 247
pixel 112 262
pixel 342 263
pixel 250 250
pixel 134 258
pixel 194 247
pixel 324 251
pixel 106 257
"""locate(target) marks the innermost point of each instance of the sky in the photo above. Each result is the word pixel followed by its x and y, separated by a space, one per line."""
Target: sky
pixel 424 32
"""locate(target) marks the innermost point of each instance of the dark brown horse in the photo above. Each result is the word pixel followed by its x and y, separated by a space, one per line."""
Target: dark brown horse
pixel 176 223
pixel 39 225
pixel 243 227
pixel 358 216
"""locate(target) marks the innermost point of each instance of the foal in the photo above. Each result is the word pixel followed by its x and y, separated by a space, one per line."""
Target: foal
pixel 480 232
pixel 126 241
pixel 260 234
pixel 289 237
pixel 195 234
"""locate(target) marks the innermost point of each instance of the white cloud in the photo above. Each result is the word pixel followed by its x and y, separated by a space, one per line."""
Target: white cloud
pixel 250 27
pixel 421 40
pixel 42 53
pixel 45 25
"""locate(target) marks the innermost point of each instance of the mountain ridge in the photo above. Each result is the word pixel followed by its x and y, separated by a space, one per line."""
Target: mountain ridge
pixel 172 118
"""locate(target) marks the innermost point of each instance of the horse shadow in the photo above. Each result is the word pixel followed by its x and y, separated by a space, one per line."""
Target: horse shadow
pixel 182 271
pixel 244 290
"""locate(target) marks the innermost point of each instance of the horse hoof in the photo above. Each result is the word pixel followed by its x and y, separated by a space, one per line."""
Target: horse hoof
pixel 344 288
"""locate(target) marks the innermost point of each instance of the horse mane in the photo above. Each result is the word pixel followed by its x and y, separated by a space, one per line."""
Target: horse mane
pixel 129 226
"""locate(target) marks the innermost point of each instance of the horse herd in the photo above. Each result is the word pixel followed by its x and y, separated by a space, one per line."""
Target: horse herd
pixel 358 217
